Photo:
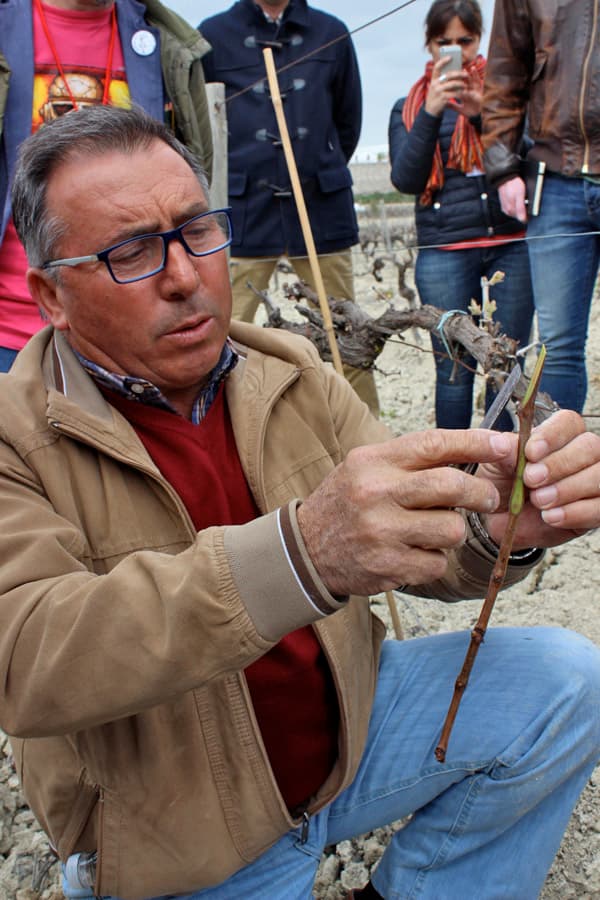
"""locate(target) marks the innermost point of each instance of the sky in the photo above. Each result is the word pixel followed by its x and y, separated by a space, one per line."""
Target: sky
pixel 390 52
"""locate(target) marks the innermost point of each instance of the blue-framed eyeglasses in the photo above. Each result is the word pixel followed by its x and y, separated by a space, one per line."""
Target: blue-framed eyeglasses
pixel 146 255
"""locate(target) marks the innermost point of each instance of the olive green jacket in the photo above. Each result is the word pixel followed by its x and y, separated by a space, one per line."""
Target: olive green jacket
pixel 181 49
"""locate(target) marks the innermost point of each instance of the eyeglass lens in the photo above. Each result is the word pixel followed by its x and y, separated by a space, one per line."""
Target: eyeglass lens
pixel 145 255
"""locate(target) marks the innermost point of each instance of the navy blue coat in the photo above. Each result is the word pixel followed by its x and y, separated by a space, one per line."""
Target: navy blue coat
pixel 466 206
pixel 323 108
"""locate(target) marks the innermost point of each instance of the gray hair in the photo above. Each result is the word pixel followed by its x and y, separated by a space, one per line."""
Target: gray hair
pixel 89 131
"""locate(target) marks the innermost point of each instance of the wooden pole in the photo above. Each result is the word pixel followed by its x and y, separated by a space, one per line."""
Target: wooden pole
pixel 215 94
pixel 301 206
pixel 311 251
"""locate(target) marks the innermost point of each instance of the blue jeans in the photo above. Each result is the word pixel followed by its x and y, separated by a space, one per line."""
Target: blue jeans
pixel 564 271
pixel 7 357
pixel 450 279
pixel 487 822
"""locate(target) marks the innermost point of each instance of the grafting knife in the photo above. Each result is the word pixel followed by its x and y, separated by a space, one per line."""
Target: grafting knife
pixel 496 408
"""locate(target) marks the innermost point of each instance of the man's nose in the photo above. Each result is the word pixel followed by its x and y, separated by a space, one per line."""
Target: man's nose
pixel 180 268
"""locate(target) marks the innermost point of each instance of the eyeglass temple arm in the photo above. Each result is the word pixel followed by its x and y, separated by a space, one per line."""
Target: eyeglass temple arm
pixel 74 261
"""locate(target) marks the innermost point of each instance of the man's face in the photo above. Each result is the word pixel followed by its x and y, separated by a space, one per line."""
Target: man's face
pixel 169 328
pixel 273 7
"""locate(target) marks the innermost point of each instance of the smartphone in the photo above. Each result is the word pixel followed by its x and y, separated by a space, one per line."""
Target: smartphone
pixel 454 52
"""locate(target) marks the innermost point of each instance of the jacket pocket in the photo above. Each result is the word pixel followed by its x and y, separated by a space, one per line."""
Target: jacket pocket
pixel 86 801
pixel 331 207
pixel 537 101
pixel 331 180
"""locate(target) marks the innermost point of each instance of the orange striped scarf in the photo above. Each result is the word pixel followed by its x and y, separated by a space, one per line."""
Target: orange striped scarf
pixel 466 151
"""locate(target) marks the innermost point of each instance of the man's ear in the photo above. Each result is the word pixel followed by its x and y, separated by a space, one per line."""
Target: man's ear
pixel 45 291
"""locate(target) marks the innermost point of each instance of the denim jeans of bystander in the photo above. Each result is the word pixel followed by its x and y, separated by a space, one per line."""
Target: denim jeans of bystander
pixel 450 279
pixel 564 271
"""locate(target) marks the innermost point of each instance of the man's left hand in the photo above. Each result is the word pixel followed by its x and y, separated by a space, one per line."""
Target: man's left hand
pixel 562 477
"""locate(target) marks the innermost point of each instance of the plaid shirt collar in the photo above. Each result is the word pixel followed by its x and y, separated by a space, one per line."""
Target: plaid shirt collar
pixel 274 20
pixel 145 392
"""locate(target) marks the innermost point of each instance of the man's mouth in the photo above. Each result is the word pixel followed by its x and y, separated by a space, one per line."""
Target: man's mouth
pixel 189 325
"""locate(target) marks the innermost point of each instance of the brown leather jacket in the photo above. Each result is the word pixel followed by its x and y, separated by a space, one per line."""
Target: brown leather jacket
pixel 543 70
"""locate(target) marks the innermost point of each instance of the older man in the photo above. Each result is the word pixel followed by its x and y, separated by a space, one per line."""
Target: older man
pixel 57 55
pixel 192 514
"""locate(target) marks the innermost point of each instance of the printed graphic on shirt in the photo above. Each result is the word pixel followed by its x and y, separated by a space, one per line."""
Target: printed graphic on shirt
pixel 52 99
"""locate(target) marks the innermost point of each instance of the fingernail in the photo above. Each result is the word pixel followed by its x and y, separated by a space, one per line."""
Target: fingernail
pixel 536 473
pixel 492 503
pixel 499 442
pixel 546 496
pixel 553 516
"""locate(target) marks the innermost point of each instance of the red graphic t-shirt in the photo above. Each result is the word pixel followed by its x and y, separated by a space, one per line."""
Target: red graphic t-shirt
pixel 82 41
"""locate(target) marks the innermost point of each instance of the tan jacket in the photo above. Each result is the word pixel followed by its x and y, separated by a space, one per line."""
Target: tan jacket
pixel 543 65
pixel 124 633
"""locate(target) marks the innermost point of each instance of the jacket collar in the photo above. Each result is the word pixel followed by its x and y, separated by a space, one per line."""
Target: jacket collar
pixel 252 386
pixel 63 372
pixel 296 12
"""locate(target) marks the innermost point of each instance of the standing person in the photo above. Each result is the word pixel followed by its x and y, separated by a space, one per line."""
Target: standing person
pixel 544 69
pixel 323 108
pixel 436 153
pixel 61 54
pixel 192 514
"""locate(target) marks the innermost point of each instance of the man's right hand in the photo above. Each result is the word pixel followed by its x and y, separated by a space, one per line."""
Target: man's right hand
pixel 386 515
pixel 512 198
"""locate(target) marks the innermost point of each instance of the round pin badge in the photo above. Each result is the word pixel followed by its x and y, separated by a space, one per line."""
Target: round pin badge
pixel 143 43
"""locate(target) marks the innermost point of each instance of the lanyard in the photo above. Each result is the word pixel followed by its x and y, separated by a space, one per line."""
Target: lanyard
pixel 109 59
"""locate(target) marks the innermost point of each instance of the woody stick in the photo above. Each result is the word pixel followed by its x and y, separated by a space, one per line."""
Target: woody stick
pixel 311 251
pixel 517 499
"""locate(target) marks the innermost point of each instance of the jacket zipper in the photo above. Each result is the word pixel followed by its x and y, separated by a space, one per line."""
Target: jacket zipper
pixel 305 827
pixel 586 150
pixel 100 841
pixel 254 463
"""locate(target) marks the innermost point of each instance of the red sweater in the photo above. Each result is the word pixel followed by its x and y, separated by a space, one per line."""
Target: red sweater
pixel 291 686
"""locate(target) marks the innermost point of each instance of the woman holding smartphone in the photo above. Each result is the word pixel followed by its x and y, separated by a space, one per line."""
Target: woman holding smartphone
pixel 436 154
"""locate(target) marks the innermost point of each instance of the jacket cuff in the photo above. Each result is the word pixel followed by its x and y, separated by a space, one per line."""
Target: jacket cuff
pixel 501 164
pixel 480 549
pixel 530 556
pixel 274 575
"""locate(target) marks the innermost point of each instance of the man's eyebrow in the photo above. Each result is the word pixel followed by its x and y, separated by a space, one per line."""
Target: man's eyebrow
pixel 154 227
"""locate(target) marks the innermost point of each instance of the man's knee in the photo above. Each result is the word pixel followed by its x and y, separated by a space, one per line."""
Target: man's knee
pixel 571 663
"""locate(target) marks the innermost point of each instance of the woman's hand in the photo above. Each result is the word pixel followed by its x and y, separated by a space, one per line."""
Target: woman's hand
pixel 446 89
pixel 469 103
